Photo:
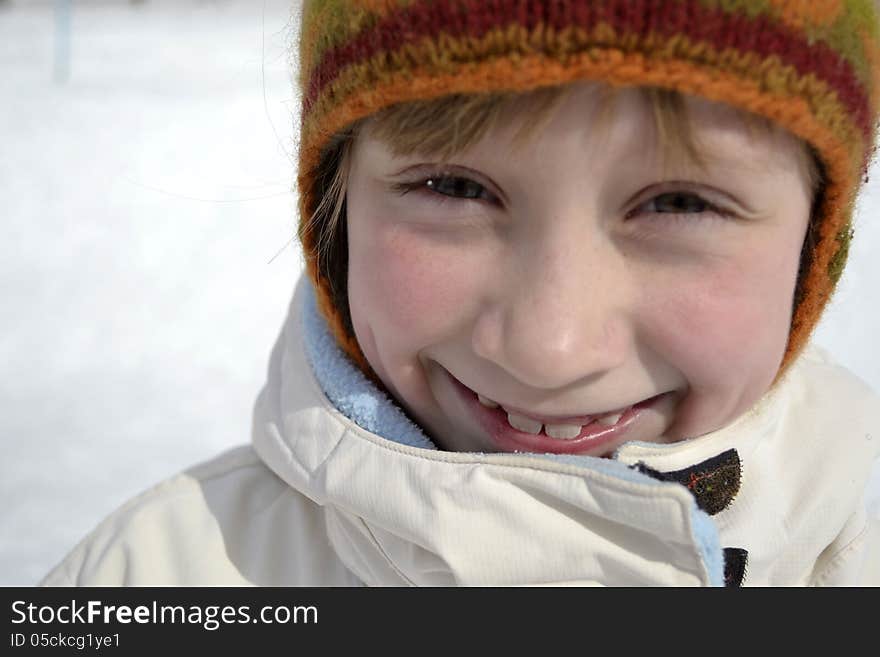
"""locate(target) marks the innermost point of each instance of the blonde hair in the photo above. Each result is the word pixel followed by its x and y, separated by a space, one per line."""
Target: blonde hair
pixel 450 125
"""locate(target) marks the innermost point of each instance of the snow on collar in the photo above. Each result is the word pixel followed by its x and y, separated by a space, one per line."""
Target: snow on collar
pixel 355 396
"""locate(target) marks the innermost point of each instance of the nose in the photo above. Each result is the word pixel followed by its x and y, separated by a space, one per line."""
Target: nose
pixel 559 314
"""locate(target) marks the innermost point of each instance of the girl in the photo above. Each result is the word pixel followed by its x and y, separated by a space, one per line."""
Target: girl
pixel 564 260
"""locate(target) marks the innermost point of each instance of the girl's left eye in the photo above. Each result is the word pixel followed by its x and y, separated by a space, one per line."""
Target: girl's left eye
pixel 679 203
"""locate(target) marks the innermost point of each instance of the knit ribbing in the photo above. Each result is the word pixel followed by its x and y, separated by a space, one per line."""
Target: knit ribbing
pixel 655 27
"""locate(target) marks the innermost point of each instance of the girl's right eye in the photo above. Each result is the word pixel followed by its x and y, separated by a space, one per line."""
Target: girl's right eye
pixel 455 187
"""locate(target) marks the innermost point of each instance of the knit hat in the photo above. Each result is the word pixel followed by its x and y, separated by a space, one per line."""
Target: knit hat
pixel 812 66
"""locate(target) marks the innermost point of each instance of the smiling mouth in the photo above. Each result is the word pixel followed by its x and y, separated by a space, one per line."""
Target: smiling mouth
pixel 512 430
pixel 561 429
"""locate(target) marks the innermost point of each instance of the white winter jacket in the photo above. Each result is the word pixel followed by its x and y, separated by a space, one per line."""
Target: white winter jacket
pixel 776 498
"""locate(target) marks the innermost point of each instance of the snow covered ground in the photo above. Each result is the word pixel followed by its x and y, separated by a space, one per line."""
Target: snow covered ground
pixel 142 200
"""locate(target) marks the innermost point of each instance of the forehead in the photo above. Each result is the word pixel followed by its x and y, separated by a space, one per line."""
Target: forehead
pixel 688 133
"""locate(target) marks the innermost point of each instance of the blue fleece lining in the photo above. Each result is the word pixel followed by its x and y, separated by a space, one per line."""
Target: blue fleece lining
pixel 358 399
pixel 348 389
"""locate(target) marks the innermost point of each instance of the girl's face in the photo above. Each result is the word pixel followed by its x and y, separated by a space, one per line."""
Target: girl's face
pixel 568 294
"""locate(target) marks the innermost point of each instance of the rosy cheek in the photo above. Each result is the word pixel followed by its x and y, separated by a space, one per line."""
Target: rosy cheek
pixel 413 285
pixel 728 327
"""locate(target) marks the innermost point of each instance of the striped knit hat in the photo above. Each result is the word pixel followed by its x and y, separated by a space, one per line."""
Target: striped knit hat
pixel 812 66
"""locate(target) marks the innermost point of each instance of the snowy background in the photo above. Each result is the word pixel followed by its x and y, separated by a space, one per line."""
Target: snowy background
pixel 145 185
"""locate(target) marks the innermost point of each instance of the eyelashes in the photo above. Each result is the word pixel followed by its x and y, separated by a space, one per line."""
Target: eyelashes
pixel 680 205
pixel 446 187
pixel 672 202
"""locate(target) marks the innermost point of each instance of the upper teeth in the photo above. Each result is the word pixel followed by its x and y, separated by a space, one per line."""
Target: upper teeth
pixel 562 431
pixel 524 423
pixel 609 420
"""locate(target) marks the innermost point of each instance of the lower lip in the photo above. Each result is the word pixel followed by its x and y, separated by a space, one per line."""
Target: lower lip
pixel 594 438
